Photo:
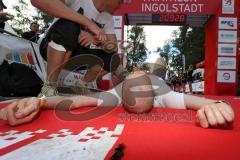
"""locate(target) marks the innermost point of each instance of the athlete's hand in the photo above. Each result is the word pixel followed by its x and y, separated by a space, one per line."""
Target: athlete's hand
pixel 22 111
pixel 217 115
pixel 86 39
pixel 100 35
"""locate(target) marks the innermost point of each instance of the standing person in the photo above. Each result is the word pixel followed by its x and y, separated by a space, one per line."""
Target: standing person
pixel 190 78
pixel 184 81
pixel 3 15
pixel 178 84
pixel 32 35
pixel 175 83
pixel 82 27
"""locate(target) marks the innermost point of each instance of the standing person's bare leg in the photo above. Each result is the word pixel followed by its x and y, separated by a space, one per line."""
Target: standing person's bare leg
pixel 55 60
pixel 184 88
pixel 67 56
pixel 119 70
pixel 92 73
pixel 190 87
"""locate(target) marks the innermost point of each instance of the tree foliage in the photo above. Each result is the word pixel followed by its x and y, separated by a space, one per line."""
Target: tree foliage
pixel 167 51
pixel 137 52
pixel 25 15
pixel 190 42
pixel 187 42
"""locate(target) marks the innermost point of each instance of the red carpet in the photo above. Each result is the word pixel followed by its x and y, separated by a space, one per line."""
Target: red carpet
pixel 164 134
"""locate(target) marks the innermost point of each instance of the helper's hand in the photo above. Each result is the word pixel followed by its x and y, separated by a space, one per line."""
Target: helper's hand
pixel 217 115
pixel 86 39
pixel 100 35
pixel 5 16
pixel 20 112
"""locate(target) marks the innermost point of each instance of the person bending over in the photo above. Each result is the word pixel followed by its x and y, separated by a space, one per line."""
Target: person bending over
pixel 3 15
pixel 82 27
pixel 139 93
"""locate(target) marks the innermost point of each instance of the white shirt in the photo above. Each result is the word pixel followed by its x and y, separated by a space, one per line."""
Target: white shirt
pixel 169 100
pixel 164 96
pixel 104 20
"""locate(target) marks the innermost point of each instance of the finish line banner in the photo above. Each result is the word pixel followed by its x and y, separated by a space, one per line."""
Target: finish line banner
pixel 171 6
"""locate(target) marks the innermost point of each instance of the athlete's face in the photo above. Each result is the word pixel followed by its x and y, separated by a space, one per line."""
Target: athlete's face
pixel 113 5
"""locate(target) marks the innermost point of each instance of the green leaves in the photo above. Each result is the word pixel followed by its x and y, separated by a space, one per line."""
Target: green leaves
pixel 186 41
pixel 190 42
pixel 24 15
pixel 137 52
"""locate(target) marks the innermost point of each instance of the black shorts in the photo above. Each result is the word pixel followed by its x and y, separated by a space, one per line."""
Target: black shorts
pixel 91 57
pixel 65 33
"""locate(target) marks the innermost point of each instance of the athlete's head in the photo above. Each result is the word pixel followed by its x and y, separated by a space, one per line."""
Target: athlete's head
pixel 137 93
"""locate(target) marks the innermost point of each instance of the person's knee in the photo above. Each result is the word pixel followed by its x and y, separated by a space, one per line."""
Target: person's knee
pixel 93 73
pixel 137 93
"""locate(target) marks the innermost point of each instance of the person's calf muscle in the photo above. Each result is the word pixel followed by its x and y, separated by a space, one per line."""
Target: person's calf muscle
pixel 55 60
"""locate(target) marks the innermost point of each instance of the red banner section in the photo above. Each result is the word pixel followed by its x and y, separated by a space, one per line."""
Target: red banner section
pixel 170 6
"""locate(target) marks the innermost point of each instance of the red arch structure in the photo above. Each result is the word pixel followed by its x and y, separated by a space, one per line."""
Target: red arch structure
pixel 221 21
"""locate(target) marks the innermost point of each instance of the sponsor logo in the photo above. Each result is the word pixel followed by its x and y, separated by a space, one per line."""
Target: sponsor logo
pixel 229 23
pixel 227 63
pixel 227 35
pixel 226 76
pixel 228 7
pixel 227 50
pixel 228 2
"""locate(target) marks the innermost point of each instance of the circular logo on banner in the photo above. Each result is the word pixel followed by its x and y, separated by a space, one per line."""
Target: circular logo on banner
pixel 228 2
pixel 226 76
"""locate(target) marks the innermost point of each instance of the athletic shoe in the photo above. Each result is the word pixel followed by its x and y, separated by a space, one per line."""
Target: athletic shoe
pixel 48 91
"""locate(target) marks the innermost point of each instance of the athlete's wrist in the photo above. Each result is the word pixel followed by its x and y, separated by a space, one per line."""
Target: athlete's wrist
pixel 42 102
